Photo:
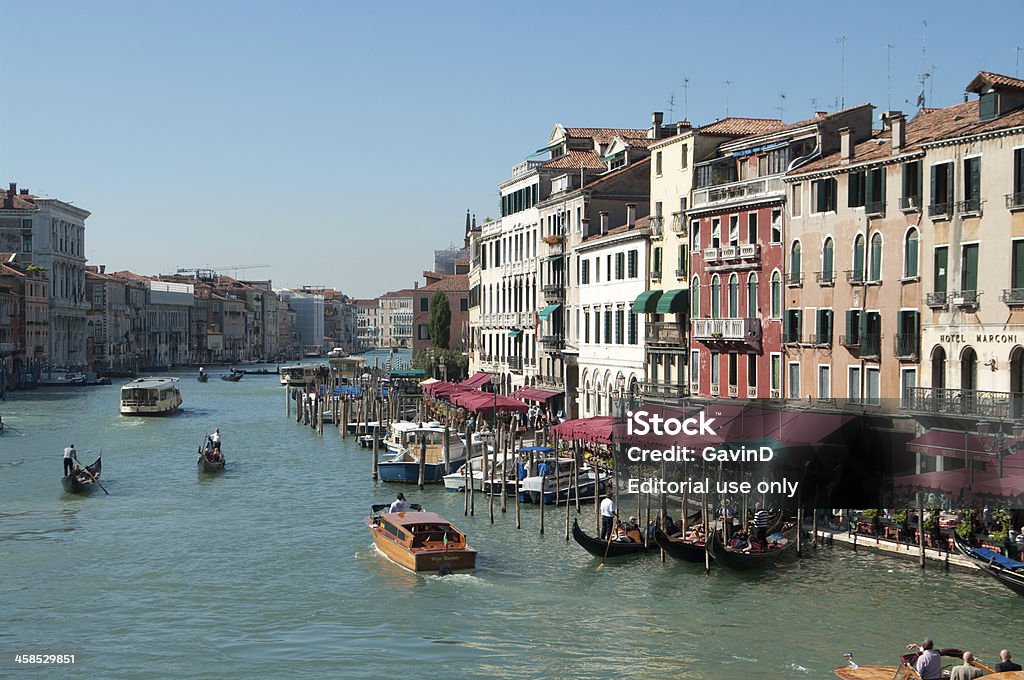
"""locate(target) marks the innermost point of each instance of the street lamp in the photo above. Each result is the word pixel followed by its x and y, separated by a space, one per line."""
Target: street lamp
pixel 1000 442
pixel 620 386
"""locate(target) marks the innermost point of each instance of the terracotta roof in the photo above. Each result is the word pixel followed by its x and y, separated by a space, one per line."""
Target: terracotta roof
pixel 450 283
pixel 989 78
pixel 21 201
pixel 366 303
pixel 576 159
pixel 602 178
pixel 603 135
pixel 741 126
pixel 10 271
pixel 404 293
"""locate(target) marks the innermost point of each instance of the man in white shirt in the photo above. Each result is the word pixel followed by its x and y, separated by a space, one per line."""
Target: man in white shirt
pixel 607 516
pixel 399 505
pixel 70 458
pixel 929 664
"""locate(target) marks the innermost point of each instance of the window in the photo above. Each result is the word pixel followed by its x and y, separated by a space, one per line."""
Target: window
pixel 875 273
pixel 695 366
pixel 776 302
pixel 752 227
pixel 793 327
pixel 734 369
pixel 463 304
pixel 620 265
pixel 1017 266
pixel 26 243
pixel 874 386
pixel 908 326
pixel 794 263
pixel 716 297
pixel 631 333
pixel 776 226
pixel 794 380
pixel 608 328
pixel 855 190
pixel 858 257
pixel 620 326
pixel 584 270
pixel 853 384
pixel 874 191
pixel 586 326
pixel 716 368
pixel 424 304
pixel 683 156
pixel 695 298
pixel 824 382
pixel 969 267
pixel 910 254
pixel 824 335
pixel 775 384
pixel 942 189
pixel 656 267
pixel 682 258
pixel 751 370
pixel 734 230
pixel 798 198
pixel 734 296
pixel 695 236
pixel 597 270
pixel 752 303
pixel 972 184
pixel 631 264
pixel 911 186
pixel 423 331
pixel 597 326
pixel 657 163
pixel 1017 197
pixel 716 232
pixel 941 257
pixel 823 195
pixel 828 258
pixel 908 381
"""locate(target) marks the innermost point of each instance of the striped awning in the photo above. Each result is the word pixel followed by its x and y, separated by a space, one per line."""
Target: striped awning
pixel 646 302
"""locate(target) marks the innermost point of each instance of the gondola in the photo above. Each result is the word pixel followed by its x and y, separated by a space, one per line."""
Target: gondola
pixel 233 376
pixel 207 465
pixel 680 548
pixel 599 548
pixel 203 377
pixel 742 561
pixel 81 483
pixel 1007 571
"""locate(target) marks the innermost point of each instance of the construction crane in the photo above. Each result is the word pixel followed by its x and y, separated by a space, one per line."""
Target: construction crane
pixel 209 272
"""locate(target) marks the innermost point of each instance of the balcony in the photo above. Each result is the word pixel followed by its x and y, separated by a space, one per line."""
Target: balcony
pixel 525 167
pixel 515 364
pixel 655 275
pixel 657 226
pixel 874 208
pixel 854 277
pixel 850 341
pixel 940 210
pixel 937 299
pixel 910 204
pixel 662 391
pixel 678 222
pixel 969 208
pixel 680 274
pixel 1015 201
pixel 869 346
pixel 825 278
pixel 965 299
pixel 665 334
pixel 750 251
pixel 552 343
pixel 553 291
pixel 728 252
pixel 7 348
pixel 762 187
pixel 907 346
pixel 794 279
pixel 727 331
pixel 1013 297
pixel 967 403
pixel 711 254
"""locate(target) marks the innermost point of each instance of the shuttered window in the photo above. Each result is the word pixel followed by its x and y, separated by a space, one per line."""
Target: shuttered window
pixel 1017 272
pixel 941 268
pixel 969 267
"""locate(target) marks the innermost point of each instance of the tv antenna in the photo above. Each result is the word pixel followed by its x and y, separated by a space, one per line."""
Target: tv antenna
pixel 888 77
pixel 728 86
pixel 782 102
pixel 842 71
pixel 686 98
pixel 671 107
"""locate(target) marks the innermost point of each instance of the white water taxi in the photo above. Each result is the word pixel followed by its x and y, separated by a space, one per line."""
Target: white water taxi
pixel 150 397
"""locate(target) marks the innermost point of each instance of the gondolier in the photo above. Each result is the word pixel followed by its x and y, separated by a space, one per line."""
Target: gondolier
pixel 70 459
pixel 761 525
pixel 607 515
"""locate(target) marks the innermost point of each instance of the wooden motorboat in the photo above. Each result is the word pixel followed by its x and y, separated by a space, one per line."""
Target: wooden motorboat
pixel 686 550
pixel 780 548
pixel 233 376
pixel 83 483
pixel 1007 571
pixel 419 540
pixel 951 656
pixel 207 464
pixel 604 548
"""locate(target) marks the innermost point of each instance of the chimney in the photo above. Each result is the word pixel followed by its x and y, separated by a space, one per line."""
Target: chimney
pixel 585 226
pixel 899 136
pixel 630 215
pixel 13 191
pixel 845 145
pixel 604 221
pixel 682 126
pixel 103 269
pixel 656 118
pixel 415 285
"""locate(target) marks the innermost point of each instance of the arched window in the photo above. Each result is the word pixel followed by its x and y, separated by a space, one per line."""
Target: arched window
pixel 794 263
pixel 752 295
pixel 828 258
pixel 875 264
pixel 938 368
pixel 858 258
pixel 716 297
pixel 695 298
pixel 910 254
pixel 734 296
pixel 969 369
pixel 776 310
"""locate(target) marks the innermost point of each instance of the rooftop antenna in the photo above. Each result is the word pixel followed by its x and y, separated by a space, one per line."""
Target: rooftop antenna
pixel 671 106
pixel 924 73
pixel 782 101
pixel 888 77
pixel 842 71
pixel 814 103
pixel 1016 69
pixel 728 85
pixel 686 98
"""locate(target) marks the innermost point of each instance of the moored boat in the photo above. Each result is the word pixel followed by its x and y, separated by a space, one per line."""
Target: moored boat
pixel 781 547
pixel 426 441
pixel 605 548
pixel 680 548
pixel 82 482
pixel 233 376
pixel 420 541
pixel 1007 571
pixel 558 483
pixel 150 397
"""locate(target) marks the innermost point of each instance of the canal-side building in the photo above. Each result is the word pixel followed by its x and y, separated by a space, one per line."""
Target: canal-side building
pixel 455 288
pixel 396 319
pixel 108 324
pixel 738 261
pixel 367 323
pixel 26 320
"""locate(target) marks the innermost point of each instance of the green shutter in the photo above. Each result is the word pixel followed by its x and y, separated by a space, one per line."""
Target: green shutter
pixel 932 197
pixel 869 187
pixel 941 268
pixel 853 190
pixel 975 170
pixel 880 184
pixel 1018 172
pixel 1017 275
pixel 969 268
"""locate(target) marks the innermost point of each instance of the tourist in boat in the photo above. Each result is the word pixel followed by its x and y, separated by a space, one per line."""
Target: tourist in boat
pixel 607 515
pixel 399 505
pixel 1005 664
pixel 671 528
pixel 929 664
pixel 70 460
pixel 966 671
pixel 621 535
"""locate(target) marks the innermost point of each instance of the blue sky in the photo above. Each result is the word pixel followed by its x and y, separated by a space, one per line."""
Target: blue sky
pixel 341 143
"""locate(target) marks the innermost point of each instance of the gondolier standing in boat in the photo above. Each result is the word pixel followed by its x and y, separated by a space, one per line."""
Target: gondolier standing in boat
pixel 608 514
pixel 215 438
pixel 761 525
pixel 70 459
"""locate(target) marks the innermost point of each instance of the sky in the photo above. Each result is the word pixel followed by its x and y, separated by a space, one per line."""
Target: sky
pixel 342 143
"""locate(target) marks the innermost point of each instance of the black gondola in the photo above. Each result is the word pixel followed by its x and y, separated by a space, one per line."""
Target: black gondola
pixel 207 465
pixel 680 548
pixel 203 377
pixel 82 483
pixel 740 560
pixel 599 548
pixel 1007 571
pixel 233 376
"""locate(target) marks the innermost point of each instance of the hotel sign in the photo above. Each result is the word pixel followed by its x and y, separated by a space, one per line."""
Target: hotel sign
pixel 978 337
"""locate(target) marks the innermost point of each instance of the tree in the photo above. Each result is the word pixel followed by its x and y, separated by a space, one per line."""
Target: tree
pixel 440 320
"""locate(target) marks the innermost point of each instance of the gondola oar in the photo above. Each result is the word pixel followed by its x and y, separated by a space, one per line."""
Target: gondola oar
pixel 94 477
pixel 606 548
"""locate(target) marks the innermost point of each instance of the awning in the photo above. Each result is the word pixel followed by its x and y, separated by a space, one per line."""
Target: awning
pixel 546 312
pixel 477 379
pixel 515 333
pixel 534 394
pixel 946 443
pixel 646 302
pixel 673 302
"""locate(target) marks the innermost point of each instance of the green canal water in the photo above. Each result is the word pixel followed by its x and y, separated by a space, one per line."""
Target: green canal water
pixel 268 570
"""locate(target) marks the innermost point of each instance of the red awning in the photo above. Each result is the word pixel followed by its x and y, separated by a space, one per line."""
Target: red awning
pixel 948 481
pixel 1007 487
pixel 947 443
pixel 534 394
pixel 477 380
pixel 595 429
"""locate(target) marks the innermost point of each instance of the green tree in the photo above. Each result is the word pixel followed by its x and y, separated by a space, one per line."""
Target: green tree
pixel 440 320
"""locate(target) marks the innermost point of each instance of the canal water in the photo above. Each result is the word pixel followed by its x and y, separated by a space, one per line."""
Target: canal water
pixel 268 570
